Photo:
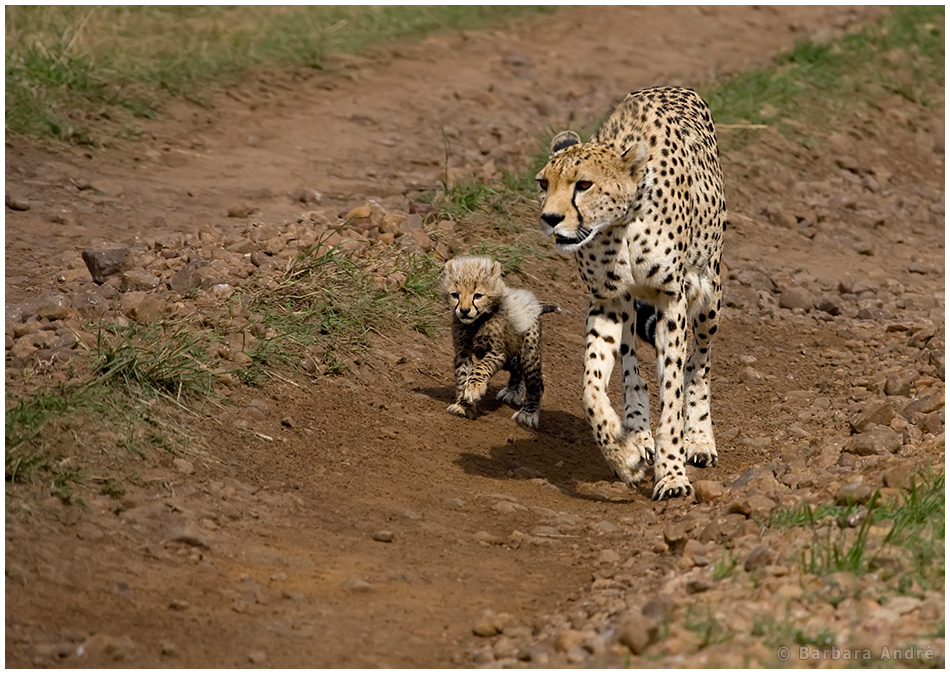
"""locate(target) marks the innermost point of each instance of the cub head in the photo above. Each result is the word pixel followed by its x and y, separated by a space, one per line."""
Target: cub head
pixel 585 187
pixel 473 286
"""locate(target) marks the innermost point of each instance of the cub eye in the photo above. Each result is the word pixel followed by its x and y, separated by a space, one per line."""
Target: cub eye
pixel 582 185
pixel 454 296
pixel 543 183
pixel 477 296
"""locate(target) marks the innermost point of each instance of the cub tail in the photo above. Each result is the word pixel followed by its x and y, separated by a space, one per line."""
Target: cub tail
pixel 550 309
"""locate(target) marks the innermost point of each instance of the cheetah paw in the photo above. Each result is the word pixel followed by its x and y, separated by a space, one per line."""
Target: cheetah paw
pixel 512 397
pixel 672 486
pixel 640 444
pixel 527 420
pixel 702 455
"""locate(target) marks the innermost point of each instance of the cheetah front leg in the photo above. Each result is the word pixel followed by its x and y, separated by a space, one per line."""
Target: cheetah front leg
pixel 671 480
pixel 620 448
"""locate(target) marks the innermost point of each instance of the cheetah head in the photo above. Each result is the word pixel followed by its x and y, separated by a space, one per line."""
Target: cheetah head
pixel 585 187
pixel 472 286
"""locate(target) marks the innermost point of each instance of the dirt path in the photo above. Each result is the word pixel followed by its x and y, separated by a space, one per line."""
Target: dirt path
pixel 264 549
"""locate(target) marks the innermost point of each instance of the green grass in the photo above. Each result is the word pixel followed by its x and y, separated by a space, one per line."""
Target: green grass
pixel 328 304
pixel 902 54
pixel 914 541
pixel 68 67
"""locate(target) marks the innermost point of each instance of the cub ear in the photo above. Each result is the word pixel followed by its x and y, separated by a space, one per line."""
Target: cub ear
pixel 496 268
pixel 563 140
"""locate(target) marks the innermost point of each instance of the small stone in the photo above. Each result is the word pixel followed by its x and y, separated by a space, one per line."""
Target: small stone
pixel 697 585
pixel 358 585
pixel 758 558
pixel 257 657
pixel 184 466
pixel 288 422
pixel 675 536
pixel 876 440
pixel 490 623
pixel 104 262
pixel 854 492
pixel 708 490
pixel 53 306
pixel 900 383
pixel 880 414
pixel 383 536
pixel 241 211
pixel 179 605
pixel 306 196
pixel 16 204
pixel 568 639
pixel 189 534
pixel 138 280
pixel 637 633
pixel 796 298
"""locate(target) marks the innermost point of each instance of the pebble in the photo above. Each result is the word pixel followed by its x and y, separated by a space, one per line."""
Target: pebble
pixel 490 623
pixel 876 440
pixel 16 203
pixel 383 536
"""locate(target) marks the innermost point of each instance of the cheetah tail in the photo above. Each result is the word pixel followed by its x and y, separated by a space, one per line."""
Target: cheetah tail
pixel 550 309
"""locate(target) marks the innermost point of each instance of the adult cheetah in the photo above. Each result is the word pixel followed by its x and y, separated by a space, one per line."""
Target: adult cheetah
pixel 641 206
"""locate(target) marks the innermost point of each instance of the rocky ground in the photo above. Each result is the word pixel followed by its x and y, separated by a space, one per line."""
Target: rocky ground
pixel 322 519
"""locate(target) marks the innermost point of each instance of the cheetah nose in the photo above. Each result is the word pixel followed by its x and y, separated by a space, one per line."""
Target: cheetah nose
pixel 464 311
pixel 552 219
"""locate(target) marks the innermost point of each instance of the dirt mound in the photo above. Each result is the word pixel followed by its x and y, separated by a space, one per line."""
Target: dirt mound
pixel 349 521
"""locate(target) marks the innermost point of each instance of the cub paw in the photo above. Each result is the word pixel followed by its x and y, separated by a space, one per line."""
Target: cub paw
pixel 527 420
pixel 460 411
pixel 512 397
pixel 474 392
pixel 672 486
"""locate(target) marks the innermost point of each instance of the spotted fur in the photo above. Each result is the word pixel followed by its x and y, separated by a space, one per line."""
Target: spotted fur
pixel 494 327
pixel 641 207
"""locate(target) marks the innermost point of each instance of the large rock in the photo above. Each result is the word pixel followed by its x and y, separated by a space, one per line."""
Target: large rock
pixel 104 262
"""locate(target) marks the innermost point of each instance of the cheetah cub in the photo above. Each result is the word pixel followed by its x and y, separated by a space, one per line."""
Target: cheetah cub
pixel 494 327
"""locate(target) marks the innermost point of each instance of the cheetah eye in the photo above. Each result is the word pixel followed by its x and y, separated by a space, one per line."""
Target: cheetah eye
pixel 477 296
pixel 543 183
pixel 454 296
pixel 583 185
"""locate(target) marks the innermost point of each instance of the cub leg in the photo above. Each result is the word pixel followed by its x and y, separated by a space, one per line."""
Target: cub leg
pixel 513 393
pixel 463 366
pixel 529 414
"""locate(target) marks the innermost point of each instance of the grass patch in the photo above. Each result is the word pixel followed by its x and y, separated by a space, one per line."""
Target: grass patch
pixel 901 54
pixel 903 539
pixel 327 304
pixel 70 66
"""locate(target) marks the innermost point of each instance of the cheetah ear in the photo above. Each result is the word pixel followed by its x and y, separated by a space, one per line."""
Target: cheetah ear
pixel 563 140
pixel 496 268
pixel 634 157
